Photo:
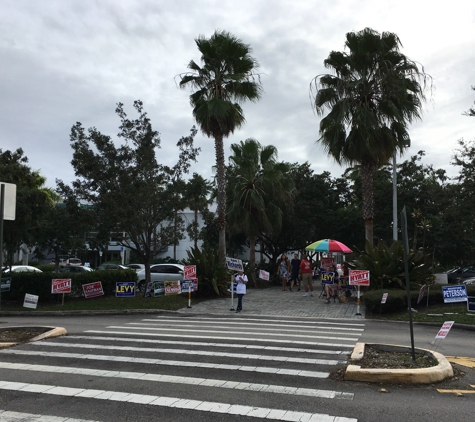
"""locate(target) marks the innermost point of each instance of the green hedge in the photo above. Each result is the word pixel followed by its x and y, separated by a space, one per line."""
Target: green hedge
pixel 397 299
pixel 39 284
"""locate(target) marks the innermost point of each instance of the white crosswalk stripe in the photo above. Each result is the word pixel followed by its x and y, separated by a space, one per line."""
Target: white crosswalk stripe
pixel 196 359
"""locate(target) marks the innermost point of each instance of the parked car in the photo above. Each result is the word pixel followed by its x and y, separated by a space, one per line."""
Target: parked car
pixel 74 269
pixel 21 269
pixel 161 272
pixel 469 281
pixel 458 275
pixel 136 267
pixel 111 267
pixel 70 262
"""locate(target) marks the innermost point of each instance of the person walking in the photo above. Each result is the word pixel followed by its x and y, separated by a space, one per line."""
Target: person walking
pixel 283 271
pixel 294 277
pixel 241 280
pixel 306 273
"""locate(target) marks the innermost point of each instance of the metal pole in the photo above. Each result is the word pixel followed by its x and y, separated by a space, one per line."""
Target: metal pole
pixel 232 293
pixel 394 198
pixel 2 203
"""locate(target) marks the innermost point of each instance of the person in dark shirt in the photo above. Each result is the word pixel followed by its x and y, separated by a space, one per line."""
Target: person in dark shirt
pixel 294 276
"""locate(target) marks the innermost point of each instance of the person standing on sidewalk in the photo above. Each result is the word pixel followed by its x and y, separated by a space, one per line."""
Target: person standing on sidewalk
pixel 306 273
pixel 283 271
pixel 294 276
pixel 241 280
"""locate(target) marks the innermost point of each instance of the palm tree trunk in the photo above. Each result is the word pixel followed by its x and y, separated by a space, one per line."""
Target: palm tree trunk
pixel 252 260
pixel 368 202
pixel 195 235
pixel 221 208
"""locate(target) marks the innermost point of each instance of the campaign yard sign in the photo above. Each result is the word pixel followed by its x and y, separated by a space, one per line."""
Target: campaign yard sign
pixel 186 284
pixel 264 275
pixel 6 283
pixel 31 301
pixel 454 293
pixel 328 277
pixel 60 285
pixel 444 330
pixel 234 264
pixel 125 289
pixel 359 277
pixel 92 289
pixel 471 304
pixel 189 272
pixel 172 287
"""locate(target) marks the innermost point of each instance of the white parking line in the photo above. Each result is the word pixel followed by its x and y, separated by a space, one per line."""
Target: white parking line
pixel 174 402
pixel 240 338
pixel 150 361
pixel 192 352
pixel 204 382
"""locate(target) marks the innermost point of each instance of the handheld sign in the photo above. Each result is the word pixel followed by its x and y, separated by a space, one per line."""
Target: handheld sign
pixel 234 264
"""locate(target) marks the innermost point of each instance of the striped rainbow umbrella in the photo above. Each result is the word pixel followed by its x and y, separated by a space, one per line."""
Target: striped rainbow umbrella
pixel 328 245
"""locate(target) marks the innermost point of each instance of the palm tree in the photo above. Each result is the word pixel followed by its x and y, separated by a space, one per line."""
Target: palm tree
pixel 375 91
pixel 258 186
pixel 225 80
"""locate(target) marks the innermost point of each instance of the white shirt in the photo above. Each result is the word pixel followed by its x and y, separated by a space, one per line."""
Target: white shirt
pixel 241 280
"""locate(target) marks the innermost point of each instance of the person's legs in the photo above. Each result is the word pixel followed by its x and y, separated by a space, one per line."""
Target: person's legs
pixel 239 305
pixel 284 283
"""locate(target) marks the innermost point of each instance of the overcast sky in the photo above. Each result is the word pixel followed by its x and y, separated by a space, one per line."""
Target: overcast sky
pixel 64 61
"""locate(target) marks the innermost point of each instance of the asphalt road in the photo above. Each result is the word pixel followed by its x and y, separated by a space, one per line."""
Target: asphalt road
pixel 283 364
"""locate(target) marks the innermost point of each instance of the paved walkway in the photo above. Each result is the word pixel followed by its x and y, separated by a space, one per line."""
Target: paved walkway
pixel 275 302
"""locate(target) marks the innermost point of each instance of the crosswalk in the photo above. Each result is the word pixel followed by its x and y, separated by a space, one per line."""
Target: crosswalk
pixel 232 368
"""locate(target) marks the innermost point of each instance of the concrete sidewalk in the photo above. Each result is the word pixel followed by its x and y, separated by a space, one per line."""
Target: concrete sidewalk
pixel 273 301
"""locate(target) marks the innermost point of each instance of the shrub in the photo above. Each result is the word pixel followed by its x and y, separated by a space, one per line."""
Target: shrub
pixel 387 269
pixel 213 280
pixel 39 284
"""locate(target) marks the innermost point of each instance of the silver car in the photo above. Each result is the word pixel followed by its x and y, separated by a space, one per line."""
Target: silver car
pixel 161 272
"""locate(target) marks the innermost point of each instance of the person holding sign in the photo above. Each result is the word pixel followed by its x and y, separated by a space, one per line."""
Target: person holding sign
pixel 241 280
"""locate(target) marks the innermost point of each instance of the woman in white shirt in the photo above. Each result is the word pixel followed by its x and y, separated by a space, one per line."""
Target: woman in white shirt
pixel 241 280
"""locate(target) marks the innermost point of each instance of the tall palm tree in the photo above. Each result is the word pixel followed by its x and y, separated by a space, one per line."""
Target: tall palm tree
pixel 372 95
pixel 258 186
pixel 225 79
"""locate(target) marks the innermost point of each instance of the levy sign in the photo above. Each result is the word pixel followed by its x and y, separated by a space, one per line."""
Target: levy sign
pixel 454 293
pixel 125 289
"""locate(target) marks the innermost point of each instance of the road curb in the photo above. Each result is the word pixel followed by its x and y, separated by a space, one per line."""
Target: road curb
pixel 53 332
pixel 398 376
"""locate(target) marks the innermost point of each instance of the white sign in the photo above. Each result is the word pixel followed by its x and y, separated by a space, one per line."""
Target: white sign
pixel 384 298
pixel 444 330
pixel 31 301
pixel 234 264
pixel 263 275
pixel 9 201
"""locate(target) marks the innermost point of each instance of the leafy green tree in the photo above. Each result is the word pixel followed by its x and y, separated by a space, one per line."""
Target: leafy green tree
pixel 471 111
pixel 225 80
pixel 33 200
pixel 375 91
pixel 63 230
pixel 197 198
pixel 258 186
pixel 130 191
